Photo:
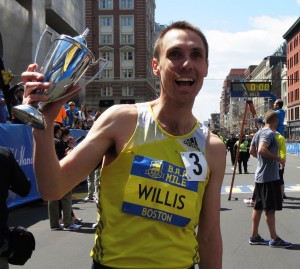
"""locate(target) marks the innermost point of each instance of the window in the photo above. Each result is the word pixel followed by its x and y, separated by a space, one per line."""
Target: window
pixel 292 114
pixel 106 91
pixel 126 38
pixel 297 94
pixel 127 91
pixel 106 73
pixel 296 76
pixel 127 73
pixel 106 55
pixel 126 20
pixel 127 55
pixel 106 39
pixel 296 113
pixel 106 21
pixel 126 4
pixel 105 4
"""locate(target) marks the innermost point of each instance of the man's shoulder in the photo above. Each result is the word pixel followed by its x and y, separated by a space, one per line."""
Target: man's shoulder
pixel 214 142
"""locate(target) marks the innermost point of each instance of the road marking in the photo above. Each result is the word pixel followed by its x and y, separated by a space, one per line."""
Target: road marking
pixel 250 188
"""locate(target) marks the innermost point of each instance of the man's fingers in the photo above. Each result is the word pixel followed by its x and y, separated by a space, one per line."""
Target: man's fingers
pixel 30 87
pixel 32 67
pixel 32 76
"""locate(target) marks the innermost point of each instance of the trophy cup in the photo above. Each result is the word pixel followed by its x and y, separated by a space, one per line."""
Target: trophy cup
pixel 67 60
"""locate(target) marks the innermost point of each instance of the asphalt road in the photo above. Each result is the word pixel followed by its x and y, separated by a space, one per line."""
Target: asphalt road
pixel 69 249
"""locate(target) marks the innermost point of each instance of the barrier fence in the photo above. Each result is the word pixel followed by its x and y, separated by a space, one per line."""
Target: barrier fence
pixel 18 138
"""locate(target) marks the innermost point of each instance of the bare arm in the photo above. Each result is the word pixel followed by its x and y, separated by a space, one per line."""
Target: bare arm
pixel 55 178
pixel 209 233
pixel 264 151
pixel 252 151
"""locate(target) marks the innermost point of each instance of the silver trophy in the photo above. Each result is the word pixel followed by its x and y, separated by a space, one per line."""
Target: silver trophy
pixel 66 61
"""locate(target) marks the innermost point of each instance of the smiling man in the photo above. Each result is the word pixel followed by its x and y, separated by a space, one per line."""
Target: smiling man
pixel 162 169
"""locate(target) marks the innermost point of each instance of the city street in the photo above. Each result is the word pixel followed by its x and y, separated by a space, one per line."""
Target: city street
pixel 64 249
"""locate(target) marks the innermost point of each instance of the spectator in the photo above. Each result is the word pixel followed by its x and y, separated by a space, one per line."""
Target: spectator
pixel 278 104
pixel 243 154
pixel 268 196
pixel 89 119
pixel 66 200
pixel 71 115
pixel 61 116
pixel 82 116
pixel 230 146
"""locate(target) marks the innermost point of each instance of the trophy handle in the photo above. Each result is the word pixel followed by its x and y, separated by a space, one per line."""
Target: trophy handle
pixel 99 71
pixel 40 41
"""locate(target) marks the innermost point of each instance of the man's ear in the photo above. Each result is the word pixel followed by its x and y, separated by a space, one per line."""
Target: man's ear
pixel 155 67
pixel 207 62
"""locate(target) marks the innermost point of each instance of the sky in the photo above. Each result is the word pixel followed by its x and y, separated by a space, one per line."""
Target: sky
pixel 239 33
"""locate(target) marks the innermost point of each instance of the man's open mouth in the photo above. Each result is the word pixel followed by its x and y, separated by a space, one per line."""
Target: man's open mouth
pixel 185 81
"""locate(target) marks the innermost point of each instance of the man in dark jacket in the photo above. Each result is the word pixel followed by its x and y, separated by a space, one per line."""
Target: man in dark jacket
pixel 12 178
pixel 230 147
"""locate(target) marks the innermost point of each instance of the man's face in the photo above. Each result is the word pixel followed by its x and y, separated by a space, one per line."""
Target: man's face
pixel 182 65
pixel 71 106
pixel 276 105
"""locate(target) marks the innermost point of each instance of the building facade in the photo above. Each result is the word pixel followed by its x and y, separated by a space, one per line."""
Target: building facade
pixel 270 70
pixel 292 37
pixel 230 107
pixel 123 33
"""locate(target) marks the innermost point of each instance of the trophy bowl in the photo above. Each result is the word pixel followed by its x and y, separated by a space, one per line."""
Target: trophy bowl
pixel 66 62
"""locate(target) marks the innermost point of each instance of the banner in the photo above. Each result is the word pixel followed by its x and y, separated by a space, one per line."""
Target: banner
pixel 293 148
pixel 18 138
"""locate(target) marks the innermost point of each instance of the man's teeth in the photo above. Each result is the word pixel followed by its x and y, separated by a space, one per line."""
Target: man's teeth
pixel 185 81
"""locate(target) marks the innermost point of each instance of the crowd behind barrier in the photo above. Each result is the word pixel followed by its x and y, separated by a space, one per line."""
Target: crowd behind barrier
pixel 18 138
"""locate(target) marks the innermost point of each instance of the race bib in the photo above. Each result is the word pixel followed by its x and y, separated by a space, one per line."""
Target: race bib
pixel 160 191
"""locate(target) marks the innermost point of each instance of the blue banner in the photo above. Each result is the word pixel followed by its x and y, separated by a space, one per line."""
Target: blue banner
pixel 18 138
pixel 293 148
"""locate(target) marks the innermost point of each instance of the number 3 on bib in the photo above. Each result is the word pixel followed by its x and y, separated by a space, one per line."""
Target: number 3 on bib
pixel 195 165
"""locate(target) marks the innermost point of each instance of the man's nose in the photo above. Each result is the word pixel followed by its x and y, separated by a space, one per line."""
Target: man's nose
pixel 187 62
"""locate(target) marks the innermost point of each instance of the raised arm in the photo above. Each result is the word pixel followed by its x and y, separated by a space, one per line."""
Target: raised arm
pixel 55 178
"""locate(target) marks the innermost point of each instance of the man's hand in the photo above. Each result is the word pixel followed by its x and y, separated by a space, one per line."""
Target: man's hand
pixel 35 91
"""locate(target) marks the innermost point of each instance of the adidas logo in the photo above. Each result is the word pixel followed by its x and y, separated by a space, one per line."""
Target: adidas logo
pixel 191 142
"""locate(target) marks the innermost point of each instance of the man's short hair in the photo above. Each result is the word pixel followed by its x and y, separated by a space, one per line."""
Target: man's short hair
pixel 270 117
pixel 179 25
pixel 279 103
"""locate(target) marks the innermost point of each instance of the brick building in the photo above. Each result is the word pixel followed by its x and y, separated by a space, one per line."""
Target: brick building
pixel 292 37
pixel 122 31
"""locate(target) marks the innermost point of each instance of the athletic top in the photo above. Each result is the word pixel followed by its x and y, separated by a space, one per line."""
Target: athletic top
pixel 150 198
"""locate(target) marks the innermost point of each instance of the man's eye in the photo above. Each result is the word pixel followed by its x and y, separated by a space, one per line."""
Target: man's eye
pixel 175 55
pixel 196 55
